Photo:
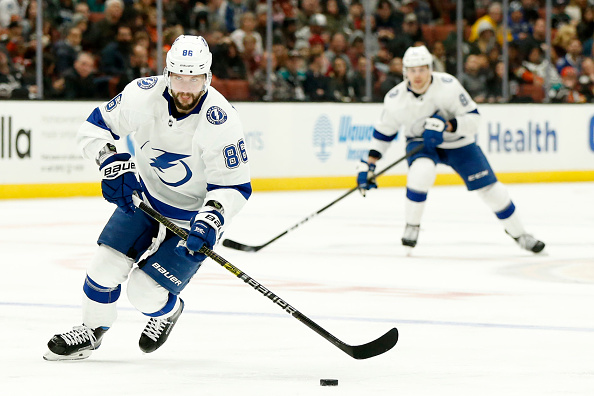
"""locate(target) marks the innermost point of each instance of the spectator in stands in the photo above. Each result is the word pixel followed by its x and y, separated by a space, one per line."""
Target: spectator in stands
pixel 393 77
pixel 281 90
pixel 79 81
pixel 336 16
pixel 105 31
pixel 585 26
pixel 82 8
pixel 356 17
pixel 247 26
pixel 535 68
pixel 473 80
pixel 560 17
pixel 356 47
pixel 537 38
pixel 314 32
pixel 562 38
pixel 229 64
pixel 421 8
pixel 440 59
pixel 115 57
pixel 494 17
pixel 66 51
pixel 411 33
pixel 586 79
pixel 520 28
pixel 568 90
pixel 386 17
pixel 341 86
pixel 360 83
pixel 294 73
pixel 317 84
pixel 9 80
pixel 573 56
pixel 11 10
pixel 530 10
pixel 251 59
pixel 305 13
pixel 495 85
pixel 485 41
pixel 337 49
pixel 233 14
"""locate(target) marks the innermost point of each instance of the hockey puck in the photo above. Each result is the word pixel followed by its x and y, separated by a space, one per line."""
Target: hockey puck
pixel 329 382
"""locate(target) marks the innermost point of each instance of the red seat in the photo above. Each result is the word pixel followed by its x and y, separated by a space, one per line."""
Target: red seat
pixel 533 91
pixel 238 90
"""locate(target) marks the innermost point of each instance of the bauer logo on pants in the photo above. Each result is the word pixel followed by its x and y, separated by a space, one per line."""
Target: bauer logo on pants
pixel 166 274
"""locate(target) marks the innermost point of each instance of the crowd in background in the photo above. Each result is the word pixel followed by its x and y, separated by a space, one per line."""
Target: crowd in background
pixel 92 49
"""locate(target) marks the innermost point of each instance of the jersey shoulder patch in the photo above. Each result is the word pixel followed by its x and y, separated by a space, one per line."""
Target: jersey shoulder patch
pixel 447 79
pixel 147 82
pixel 393 92
pixel 215 115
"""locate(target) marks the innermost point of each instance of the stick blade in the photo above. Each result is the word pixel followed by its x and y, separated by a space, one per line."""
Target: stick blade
pixel 231 244
pixel 375 347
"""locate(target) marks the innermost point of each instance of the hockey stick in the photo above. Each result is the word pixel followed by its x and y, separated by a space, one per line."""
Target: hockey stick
pixel 371 349
pixel 249 248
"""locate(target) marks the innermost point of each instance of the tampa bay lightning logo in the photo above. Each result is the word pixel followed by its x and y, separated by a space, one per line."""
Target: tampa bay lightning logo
pixel 323 137
pixel 112 104
pixel 215 115
pixel 169 162
pixel 393 93
pixel 447 79
pixel 147 83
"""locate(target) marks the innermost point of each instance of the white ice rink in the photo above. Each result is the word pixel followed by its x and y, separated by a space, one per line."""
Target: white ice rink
pixel 476 314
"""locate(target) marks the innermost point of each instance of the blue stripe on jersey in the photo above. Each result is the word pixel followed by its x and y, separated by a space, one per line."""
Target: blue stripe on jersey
pixel 167 210
pixel 101 294
pixel 167 308
pixel 507 212
pixel 244 189
pixel 97 119
pixel 380 136
pixel 416 196
pixel 454 121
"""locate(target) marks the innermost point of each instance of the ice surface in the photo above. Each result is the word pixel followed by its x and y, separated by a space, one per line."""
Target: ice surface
pixel 476 314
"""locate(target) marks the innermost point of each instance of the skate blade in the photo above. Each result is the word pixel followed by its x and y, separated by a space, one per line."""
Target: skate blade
pixel 408 250
pixel 53 357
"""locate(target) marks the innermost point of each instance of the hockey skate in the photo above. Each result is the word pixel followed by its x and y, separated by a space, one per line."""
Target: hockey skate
pixel 411 234
pixel 76 344
pixel 528 242
pixel 157 331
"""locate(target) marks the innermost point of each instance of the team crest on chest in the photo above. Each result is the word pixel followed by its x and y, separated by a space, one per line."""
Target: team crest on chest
pixel 215 115
pixel 147 83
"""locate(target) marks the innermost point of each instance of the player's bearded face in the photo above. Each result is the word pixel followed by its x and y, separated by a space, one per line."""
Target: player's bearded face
pixel 186 90
pixel 419 78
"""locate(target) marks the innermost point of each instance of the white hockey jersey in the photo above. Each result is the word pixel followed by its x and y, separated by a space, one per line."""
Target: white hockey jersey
pixel 406 112
pixel 182 162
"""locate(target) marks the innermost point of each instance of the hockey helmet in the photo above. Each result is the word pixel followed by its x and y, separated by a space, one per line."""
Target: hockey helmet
pixel 189 55
pixel 417 56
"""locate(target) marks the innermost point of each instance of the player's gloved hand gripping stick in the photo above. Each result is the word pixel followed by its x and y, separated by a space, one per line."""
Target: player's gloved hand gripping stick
pixel 365 351
pixel 248 248
pixel 119 180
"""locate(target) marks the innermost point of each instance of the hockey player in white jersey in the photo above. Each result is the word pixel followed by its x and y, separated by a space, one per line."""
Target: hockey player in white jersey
pixel 190 165
pixel 434 109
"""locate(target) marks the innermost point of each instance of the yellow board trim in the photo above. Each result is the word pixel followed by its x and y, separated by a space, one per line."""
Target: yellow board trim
pixel 60 190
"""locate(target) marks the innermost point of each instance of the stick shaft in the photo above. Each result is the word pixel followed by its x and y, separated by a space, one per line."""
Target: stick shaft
pixel 236 245
pixel 371 349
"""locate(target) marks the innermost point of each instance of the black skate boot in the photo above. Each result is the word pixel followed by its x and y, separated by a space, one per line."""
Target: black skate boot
pixel 410 236
pixel 157 330
pixel 76 344
pixel 528 242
